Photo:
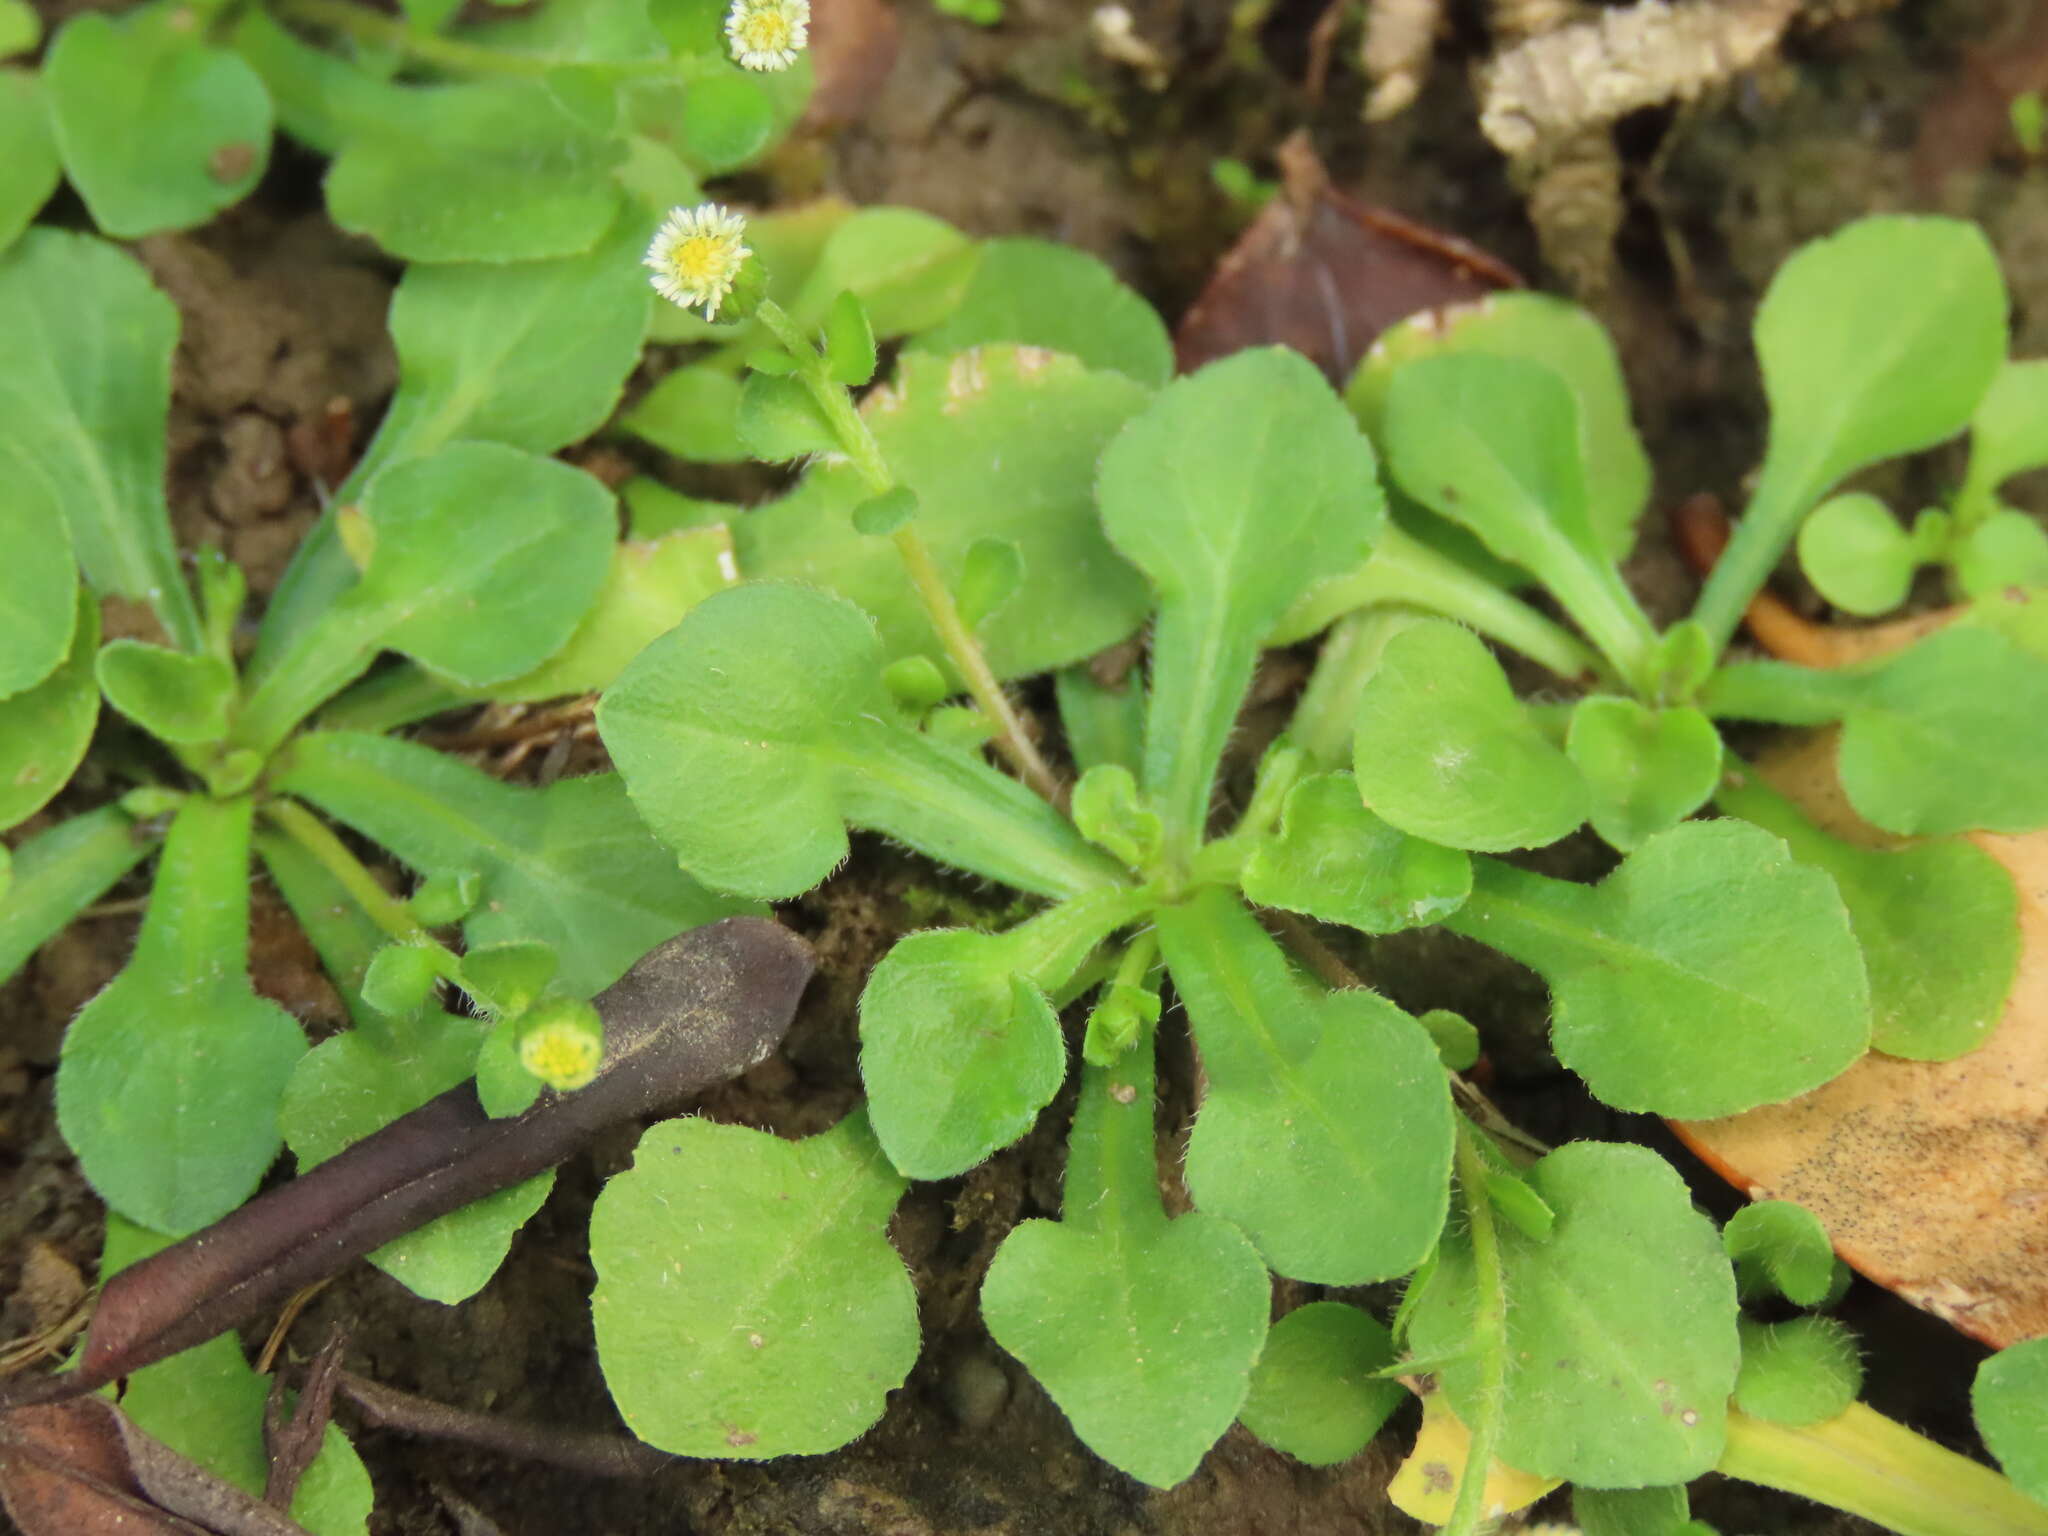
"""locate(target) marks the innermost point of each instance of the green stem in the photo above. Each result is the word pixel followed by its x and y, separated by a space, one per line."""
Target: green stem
pixel 1112 1164
pixel 1868 1465
pixel 1758 543
pixel 386 33
pixel 961 646
pixel 1405 571
pixel 385 910
pixel 1489 1336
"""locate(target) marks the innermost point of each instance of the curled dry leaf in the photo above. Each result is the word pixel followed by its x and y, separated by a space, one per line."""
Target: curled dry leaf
pixel 695 1011
pixel 1325 274
pixel 1927 1175
pixel 82 1468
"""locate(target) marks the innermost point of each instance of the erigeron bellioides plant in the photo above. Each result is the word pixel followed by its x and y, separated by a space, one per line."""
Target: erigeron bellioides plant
pixel 1574 1316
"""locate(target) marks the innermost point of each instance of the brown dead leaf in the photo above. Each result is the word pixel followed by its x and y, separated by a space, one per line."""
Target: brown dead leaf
pixel 81 1468
pixel 1324 274
pixel 853 48
pixel 1930 1177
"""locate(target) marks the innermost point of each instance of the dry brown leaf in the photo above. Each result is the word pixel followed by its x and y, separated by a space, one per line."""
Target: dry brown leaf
pixel 1930 1177
pixel 1325 274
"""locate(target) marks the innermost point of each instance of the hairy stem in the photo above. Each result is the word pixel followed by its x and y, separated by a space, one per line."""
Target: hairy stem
pixel 385 910
pixel 1489 1336
pixel 962 648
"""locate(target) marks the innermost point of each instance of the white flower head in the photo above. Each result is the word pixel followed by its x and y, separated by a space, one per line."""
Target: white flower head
pixel 767 34
pixel 696 255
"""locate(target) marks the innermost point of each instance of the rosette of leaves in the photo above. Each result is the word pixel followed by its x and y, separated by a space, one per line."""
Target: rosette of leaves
pixel 1720 964
pixel 508 139
pixel 493 569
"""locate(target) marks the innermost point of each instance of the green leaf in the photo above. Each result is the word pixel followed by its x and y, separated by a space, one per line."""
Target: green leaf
pixel 753 732
pixel 1621 1341
pixel 85 391
pixel 778 420
pixel 941 425
pixel 2010 1400
pixel 1493 444
pixel 1325 1132
pixel 570 865
pixel 907 268
pixel 507 978
pixel 175 696
pixel 20 29
pixel 1103 724
pixel 356 1083
pixel 208 1404
pixel 1855 553
pixel 1949 736
pixel 748 1304
pixel 849 341
pixel 1039 294
pixel 494 171
pixel 1789 1244
pixel 39 598
pixel 532 355
pixel 1111 814
pixel 651 584
pixel 1631 1511
pixel 1144 1330
pixel 1337 861
pixel 400 979
pixel 1541 329
pixel 1662 997
pixel 1234 491
pixel 1797 1372
pixel 960 1047
pixel 726 120
pixel 1645 769
pixel 1938 922
pixel 1314 1394
pixel 45 730
pixel 157 129
pixel 692 413
pixel 1457 1042
pixel 454 580
pixel 58 873
pixel 170 1079
pixel 1946 736
pixel 2008 549
pixel 2008 432
pixel 1445 752
pixel 1877 341
pixel 30 173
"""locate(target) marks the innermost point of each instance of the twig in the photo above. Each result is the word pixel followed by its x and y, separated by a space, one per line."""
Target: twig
pixel 588 1451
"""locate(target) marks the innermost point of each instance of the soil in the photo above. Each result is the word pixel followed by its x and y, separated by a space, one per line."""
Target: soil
pixel 1027 128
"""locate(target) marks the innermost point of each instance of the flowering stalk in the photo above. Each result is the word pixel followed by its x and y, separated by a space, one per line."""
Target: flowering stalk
pixel 962 648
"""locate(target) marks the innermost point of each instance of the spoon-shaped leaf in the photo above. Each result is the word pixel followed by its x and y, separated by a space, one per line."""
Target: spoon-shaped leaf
pixel 1492 443
pixel 1621 1346
pixel 1144 1330
pixel 1325 1132
pixel 1663 998
pixel 170 1079
pixel 1877 341
pixel 1235 490
pixel 58 873
pixel 1314 1394
pixel 85 389
pixel 1336 860
pixel 45 729
pixel 1445 751
pixel 756 730
pixel 748 1303
pixel 959 1046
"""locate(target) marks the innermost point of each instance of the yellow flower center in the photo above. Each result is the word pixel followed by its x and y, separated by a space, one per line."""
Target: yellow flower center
pixel 562 1058
pixel 698 259
pixel 765 32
